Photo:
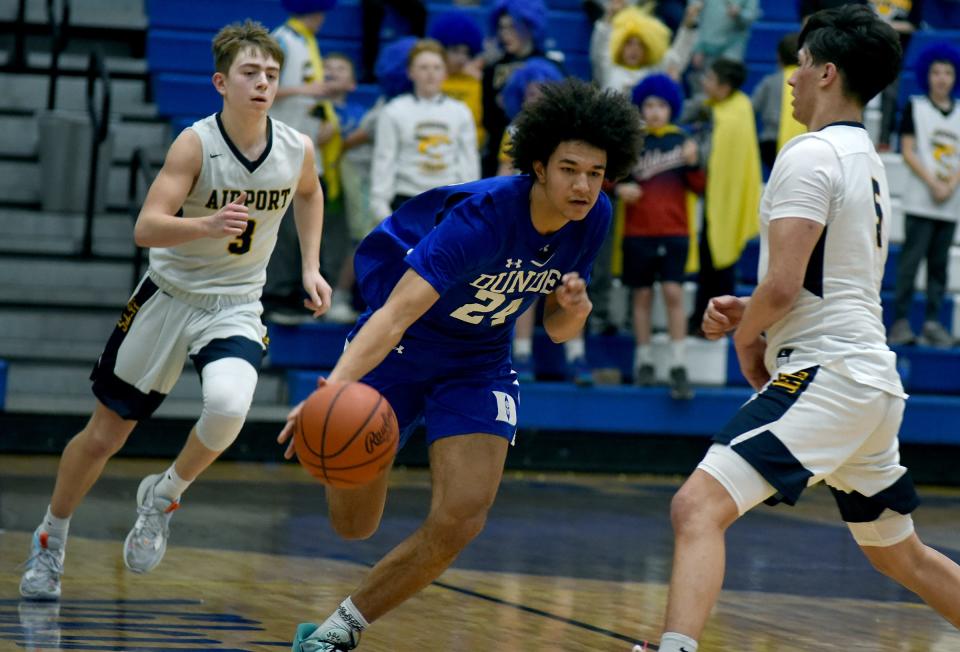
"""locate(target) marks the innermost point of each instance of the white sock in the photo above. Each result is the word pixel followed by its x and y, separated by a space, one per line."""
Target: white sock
pixel 347 616
pixel 171 485
pixel 678 351
pixel 574 349
pixel 55 527
pixel 673 642
pixel 522 347
pixel 643 354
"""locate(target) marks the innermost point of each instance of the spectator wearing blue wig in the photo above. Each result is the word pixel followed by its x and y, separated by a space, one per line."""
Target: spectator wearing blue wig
pixel 930 141
pixel 520 30
pixel 462 38
pixel 656 232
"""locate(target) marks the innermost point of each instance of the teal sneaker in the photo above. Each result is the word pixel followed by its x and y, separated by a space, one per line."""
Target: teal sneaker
pixel 335 639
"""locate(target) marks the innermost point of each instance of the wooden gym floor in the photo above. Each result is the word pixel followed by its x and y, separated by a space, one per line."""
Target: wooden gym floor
pixel 566 563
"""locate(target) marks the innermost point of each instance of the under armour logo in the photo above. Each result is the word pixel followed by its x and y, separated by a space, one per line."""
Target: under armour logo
pixel 399 349
pixel 514 262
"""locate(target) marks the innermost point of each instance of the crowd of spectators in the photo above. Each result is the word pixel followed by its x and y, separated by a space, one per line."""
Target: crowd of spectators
pixel 685 213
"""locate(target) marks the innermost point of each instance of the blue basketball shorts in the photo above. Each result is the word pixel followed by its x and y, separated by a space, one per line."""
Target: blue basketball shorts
pixel 448 400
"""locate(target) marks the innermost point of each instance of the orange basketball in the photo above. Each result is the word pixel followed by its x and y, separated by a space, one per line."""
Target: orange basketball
pixel 346 434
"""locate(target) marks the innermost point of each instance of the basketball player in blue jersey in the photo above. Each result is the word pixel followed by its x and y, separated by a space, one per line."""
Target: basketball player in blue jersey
pixel 210 219
pixel 811 341
pixel 445 277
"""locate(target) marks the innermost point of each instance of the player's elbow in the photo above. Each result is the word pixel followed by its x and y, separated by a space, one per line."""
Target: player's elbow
pixel 782 292
pixel 141 233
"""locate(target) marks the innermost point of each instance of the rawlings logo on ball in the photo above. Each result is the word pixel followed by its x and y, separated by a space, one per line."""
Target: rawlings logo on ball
pixel 379 436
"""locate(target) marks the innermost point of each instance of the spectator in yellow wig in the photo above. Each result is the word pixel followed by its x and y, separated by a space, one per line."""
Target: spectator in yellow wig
pixel 628 44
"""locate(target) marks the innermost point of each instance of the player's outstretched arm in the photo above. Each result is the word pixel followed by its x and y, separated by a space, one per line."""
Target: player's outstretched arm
pixel 308 213
pixel 158 225
pixel 566 309
pixel 410 299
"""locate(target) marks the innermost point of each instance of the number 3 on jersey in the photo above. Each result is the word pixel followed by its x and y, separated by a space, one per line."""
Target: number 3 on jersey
pixel 473 313
pixel 242 244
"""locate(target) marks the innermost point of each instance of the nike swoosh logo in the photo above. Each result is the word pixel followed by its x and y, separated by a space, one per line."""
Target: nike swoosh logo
pixel 215 155
pixel 683 649
pixel 544 262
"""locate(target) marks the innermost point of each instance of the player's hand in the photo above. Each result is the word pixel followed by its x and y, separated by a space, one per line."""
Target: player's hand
pixel 286 435
pixel 325 133
pixel 613 7
pixel 231 220
pixel 629 192
pixel 940 191
pixel 750 356
pixel 318 293
pixel 316 89
pixel 692 15
pixel 722 315
pixel 572 294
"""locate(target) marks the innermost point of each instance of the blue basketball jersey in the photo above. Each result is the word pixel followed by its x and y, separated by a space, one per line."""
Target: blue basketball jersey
pixel 476 245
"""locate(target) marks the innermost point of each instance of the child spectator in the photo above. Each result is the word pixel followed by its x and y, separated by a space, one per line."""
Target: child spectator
pixel 628 44
pixel 728 142
pixel 773 103
pixel 424 139
pixel 348 179
pixel 461 36
pixel 656 234
pixel 930 140
pixel 302 86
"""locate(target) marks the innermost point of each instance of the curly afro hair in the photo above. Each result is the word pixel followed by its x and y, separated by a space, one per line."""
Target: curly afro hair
pixel 574 110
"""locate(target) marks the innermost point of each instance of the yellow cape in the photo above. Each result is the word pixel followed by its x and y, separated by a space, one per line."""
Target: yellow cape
pixel 789 127
pixel 733 180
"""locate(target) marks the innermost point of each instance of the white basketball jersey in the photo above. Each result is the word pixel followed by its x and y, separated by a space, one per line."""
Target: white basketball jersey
pixel 834 176
pixel 234 266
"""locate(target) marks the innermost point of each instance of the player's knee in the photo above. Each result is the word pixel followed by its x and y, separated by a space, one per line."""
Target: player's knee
pixel 228 387
pixel 890 546
pixel 354 524
pixel 689 511
pixel 101 443
pixel 460 521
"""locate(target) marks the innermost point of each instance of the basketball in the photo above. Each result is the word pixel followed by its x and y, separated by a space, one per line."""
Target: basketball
pixel 346 434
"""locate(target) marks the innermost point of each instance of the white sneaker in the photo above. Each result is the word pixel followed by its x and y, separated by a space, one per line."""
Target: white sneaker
pixel 41 580
pixel 147 541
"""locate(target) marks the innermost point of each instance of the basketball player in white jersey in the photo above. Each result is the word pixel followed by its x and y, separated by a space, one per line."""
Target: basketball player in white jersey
pixel 210 219
pixel 829 400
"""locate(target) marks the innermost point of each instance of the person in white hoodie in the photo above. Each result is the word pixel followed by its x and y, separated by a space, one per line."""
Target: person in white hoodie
pixel 424 139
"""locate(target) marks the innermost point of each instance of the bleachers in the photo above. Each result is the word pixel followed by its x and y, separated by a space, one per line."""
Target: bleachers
pixel 179 59
pixel 929 419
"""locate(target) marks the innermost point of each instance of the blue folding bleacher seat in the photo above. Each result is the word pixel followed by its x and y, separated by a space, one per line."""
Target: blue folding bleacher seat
pixel 763 41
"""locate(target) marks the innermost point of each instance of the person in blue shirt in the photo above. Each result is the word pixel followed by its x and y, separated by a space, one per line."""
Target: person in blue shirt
pixel 445 277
